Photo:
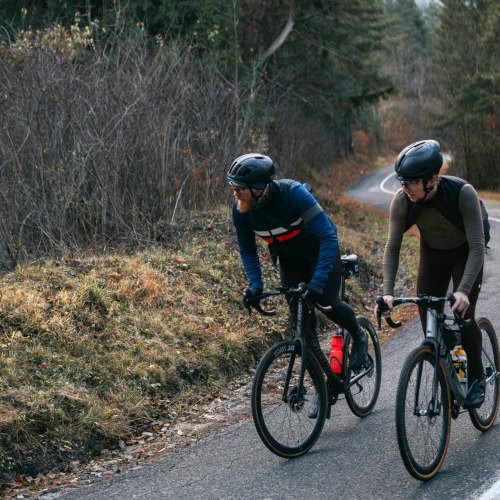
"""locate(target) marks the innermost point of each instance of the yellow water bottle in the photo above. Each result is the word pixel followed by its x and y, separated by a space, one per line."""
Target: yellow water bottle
pixel 459 358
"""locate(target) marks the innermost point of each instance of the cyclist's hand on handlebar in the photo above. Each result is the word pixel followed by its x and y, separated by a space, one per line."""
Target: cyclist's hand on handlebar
pixel 251 297
pixel 312 293
pixel 461 303
pixel 384 309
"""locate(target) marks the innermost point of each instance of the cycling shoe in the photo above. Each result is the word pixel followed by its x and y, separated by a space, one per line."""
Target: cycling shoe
pixel 475 395
pixel 359 351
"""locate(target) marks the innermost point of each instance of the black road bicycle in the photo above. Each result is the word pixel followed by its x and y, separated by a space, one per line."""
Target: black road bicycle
pixel 433 386
pixel 294 386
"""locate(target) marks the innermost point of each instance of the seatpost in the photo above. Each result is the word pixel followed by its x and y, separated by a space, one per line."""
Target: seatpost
pixel 343 295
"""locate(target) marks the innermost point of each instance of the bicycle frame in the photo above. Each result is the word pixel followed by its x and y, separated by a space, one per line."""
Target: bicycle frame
pixel 291 397
pixel 336 383
pixel 457 388
pixel 434 338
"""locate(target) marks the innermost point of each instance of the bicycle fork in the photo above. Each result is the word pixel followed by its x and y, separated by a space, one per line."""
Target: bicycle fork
pixel 433 408
pixel 436 402
pixel 300 392
pixel 296 396
pixel 301 344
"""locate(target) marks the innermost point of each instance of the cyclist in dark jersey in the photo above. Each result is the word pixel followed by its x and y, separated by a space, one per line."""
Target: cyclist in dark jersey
pixel 447 252
pixel 302 241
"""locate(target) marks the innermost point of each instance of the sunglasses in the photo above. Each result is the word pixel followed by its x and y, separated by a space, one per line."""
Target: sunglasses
pixel 410 182
pixel 237 189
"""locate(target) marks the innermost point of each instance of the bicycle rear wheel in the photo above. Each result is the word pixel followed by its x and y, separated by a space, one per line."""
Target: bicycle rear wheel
pixel 484 417
pixel 281 414
pixel 423 435
pixel 365 385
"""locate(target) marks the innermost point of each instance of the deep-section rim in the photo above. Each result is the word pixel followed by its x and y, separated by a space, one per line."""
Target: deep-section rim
pixel 482 419
pixel 278 421
pixel 423 472
pixel 356 400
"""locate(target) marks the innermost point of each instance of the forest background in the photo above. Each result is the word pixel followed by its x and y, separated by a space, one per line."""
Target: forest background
pixel 118 121
pixel 119 116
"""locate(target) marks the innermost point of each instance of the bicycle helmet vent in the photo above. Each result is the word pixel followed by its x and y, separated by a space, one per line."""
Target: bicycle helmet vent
pixel 252 170
pixel 420 160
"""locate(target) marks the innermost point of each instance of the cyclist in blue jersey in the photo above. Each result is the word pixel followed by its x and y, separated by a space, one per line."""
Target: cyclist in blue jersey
pixel 302 242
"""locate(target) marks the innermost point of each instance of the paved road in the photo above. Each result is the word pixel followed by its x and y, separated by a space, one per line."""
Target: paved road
pixel 378 188
pixel 353 459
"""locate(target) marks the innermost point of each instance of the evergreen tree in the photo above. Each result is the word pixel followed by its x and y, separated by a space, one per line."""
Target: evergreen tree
pixel 288 62
pixel 328 68
pixel 407 47
pixel 467 74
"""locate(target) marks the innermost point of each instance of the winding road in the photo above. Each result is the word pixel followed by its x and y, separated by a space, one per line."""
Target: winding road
pixel 354 458
pixel 377 189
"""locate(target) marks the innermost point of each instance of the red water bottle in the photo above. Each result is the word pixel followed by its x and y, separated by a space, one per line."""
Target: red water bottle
pixel 336 353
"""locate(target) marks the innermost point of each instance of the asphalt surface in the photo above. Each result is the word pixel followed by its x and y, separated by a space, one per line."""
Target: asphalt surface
pixel 353 459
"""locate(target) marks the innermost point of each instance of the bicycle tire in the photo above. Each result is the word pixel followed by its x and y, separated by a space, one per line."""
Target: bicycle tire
pixel 422 438
pixel 484 417
pixel 283 422
pixel 365 385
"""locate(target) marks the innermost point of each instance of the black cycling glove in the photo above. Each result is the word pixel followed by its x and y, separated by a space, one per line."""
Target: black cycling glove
pixel 250 297
pixel 312 293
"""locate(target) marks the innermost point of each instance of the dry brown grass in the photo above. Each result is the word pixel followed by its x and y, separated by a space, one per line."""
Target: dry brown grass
pixel 91 346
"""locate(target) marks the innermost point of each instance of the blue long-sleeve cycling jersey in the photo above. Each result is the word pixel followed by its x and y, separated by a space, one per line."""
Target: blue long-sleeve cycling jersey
pixel 293 224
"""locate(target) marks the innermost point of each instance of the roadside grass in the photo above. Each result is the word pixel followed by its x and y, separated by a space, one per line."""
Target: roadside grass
pixel 96 347
pixel 489 195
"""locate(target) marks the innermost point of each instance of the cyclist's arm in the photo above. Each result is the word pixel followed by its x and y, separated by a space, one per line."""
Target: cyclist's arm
pixel 247 247
pixel 321 228
pixel 397 221
pixel 468 204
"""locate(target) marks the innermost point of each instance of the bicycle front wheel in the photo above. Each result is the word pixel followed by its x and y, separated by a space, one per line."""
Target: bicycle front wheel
pixel 484 417
pixel 365 385
pixel 422 414
pixel 288 419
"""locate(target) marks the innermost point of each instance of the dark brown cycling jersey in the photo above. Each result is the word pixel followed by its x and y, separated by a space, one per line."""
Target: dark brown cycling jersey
pixel 439 233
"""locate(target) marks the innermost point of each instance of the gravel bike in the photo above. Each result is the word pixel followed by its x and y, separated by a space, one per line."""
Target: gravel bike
pixel 294 386
pixel 433 385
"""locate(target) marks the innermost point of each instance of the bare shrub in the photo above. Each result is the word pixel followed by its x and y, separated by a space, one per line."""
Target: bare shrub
pixel 99 148
pixel 104 142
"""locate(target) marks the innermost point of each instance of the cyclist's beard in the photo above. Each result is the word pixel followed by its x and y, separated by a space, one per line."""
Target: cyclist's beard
pixel 248 204
pixel 244 206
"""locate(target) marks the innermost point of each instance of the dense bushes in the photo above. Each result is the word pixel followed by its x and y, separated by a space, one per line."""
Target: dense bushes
pixel 109 130
pixel 100 147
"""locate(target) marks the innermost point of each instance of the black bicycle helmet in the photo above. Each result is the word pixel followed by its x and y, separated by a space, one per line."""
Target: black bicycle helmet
pixel 253 170
pixel 420 160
